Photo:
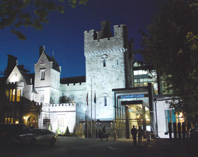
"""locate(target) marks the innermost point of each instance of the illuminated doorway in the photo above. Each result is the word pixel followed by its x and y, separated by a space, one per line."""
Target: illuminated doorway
pixel 32 122
pixel 137 115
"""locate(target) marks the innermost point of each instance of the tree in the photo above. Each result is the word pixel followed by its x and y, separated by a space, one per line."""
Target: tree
pixel 171 46
pixel 18 13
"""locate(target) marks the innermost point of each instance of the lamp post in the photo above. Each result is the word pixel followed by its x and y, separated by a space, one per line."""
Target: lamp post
pixel 91 108
pixel 156 123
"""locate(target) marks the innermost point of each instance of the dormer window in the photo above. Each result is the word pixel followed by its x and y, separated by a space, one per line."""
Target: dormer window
pixel 42 74
pixel 104 59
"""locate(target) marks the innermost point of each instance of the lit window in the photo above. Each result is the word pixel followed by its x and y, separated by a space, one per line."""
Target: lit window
pixel 170 117
pixel 14 94
pixel 18 95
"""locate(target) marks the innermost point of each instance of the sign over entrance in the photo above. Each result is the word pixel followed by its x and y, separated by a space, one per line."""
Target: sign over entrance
pixel 133 96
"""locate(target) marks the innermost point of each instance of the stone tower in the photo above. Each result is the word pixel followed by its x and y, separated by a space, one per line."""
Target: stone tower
pixel 47 78
pixel 108 66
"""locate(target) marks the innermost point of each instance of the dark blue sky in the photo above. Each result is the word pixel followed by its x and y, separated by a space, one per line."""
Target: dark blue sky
pixel 64 34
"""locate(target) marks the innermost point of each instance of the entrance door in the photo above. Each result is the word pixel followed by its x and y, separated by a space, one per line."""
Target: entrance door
pixel 32 122
pixel 137 115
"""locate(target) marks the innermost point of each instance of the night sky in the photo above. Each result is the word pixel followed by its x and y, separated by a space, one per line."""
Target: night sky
pixel 64 34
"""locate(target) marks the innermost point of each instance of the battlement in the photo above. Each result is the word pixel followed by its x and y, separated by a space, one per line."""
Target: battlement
pixel 75 84
pixel 104 40
pixel 17 84
pixel 63 105
pixel 105 33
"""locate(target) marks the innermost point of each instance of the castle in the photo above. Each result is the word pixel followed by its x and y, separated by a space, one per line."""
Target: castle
pixel 105 97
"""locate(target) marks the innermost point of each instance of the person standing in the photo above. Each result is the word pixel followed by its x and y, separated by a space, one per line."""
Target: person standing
pixel 140 134
pixel 134 134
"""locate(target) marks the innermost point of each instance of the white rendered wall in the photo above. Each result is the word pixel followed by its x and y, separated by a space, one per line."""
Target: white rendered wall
pixel 16 77
pixel 61 116
pixel 161 118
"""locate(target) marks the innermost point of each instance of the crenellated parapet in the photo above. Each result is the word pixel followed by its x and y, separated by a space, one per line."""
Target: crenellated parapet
pixel 62 107
pixel 100 41
pixel 15 84
pixel 74 84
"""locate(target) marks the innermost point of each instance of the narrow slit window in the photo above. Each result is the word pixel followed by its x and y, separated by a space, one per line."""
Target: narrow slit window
pixel 104 62
pixel 105 101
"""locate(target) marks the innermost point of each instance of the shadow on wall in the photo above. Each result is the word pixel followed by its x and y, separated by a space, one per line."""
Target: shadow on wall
pixel 65 99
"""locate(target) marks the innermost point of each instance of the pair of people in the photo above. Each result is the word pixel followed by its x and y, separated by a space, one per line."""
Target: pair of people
pixel 134 132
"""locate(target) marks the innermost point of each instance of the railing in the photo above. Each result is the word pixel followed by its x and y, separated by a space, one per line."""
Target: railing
pixel 178 130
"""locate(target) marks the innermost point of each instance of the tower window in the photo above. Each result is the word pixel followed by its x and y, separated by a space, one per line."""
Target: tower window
pixel 103 58
pixel 105 101
pixel 105 95
pixel 104 62
pixel 42 72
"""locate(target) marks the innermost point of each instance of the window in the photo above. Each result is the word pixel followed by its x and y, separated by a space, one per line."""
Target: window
pixel 15 95
pixel 104 62
pixel 105 101
pixel 42 72
pixel 170 116
pixel 12 94
pixel 18 95
pixel 104 59
pixel 105 95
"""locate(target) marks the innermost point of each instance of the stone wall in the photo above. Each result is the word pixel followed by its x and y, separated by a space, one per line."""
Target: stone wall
pixel 105 69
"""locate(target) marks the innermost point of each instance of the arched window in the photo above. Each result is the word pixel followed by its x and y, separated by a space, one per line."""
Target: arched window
pixel 103 58
pixel 105 95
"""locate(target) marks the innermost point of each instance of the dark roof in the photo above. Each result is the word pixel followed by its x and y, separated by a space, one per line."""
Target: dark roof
pixel 28 77
pixel 68 80
pixel 22 68
pixel 2 80
pixel 55 64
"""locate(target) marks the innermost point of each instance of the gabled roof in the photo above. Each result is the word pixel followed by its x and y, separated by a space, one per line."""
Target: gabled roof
pixel 69 80
pixel 28 77
pixel 55 64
